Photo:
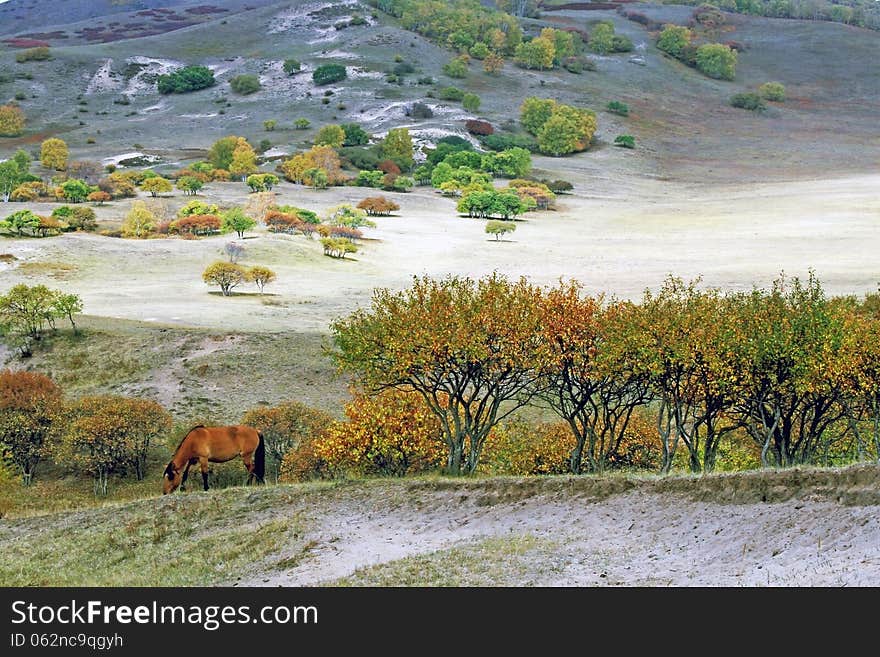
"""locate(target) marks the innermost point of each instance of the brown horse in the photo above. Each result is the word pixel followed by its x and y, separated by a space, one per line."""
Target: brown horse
pixel 205 445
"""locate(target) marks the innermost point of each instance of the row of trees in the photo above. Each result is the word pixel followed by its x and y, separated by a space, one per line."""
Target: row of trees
pixel 99 436
pixel 794 371
pixel 27 313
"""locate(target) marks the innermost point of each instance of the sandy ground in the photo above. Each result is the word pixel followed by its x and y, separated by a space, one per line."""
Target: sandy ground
pixel 615 235
pixel 637 538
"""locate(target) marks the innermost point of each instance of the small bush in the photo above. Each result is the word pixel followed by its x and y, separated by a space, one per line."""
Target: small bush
pixel 773 91
pixel 245 84
pixel 38 54
pixel 477 127
pixel 291 66
pixel 717 61
pixel 749 101
pixel 625 141
pixel 450 93
pixel 616 107
pixel 419 110
pixel 328 74
pixel 302 124
pixel 185 80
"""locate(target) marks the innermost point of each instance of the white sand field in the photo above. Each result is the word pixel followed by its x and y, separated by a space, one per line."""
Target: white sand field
pixel 621 238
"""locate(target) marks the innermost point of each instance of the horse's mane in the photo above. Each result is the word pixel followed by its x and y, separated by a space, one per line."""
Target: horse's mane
pixel 185 436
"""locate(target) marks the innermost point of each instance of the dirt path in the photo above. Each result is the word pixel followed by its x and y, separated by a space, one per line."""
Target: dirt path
pixel 638 537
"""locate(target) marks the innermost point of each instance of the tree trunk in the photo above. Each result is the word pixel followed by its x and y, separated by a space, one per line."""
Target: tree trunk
pixel 453 459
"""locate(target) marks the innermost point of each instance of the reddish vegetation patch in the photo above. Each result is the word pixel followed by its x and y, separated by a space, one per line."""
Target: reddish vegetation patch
pixel 203 10
pixel 25 43
pixel 476 127
pixel 586 6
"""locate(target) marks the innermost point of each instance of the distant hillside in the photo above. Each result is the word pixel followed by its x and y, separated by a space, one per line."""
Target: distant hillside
pixel 29 17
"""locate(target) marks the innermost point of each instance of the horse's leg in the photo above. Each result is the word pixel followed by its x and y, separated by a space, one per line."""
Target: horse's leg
pixel 185 475
pixel 249 464
pixel 203 464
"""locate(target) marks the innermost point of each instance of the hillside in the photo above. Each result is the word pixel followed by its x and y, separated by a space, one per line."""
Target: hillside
pixel 791 528
pixel 681 119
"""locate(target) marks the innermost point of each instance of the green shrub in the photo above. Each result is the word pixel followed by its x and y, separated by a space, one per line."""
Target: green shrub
pixel 620 43
pixel 245 84
pixel 328 74
pixel 625 141
pixel 748 100
pixel 717 61
pixel 499 228
pixel 456 68
pixel 292 66
pixel 302 124
pixel 450 93
pixel 471 102
pixel 38 54
pixel 616 107
pixel 189 78
pixel 774 91
pixel 502 142
pixel 674 39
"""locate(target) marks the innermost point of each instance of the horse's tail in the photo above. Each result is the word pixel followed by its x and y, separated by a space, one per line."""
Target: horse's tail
pixel 260 459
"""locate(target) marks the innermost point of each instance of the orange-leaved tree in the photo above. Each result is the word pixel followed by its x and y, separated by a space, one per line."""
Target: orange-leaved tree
pixel 109 434
pixel 467 347
pixel 29 410
pixel 390 433
pixel 285 427
pixel 584 378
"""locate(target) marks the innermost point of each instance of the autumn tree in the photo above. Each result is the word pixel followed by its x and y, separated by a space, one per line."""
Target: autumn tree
pixel 534 113
pixel 351 217
pixel 467 347
pixel 190 185
pixel 398 146
pixel 322 158
pixel 538 53
pixel 225 275
pixel 54 154
pixel 285 427
pixel 788 384
pixel 859 370
pixel 262 276
pixel 221 152
pixel 330 135
pixel 392 433
pixel 378 206
pixel 157 185
pixel 235 219
pixel 12 121
pixel 110 435
pixel 139 222
pixel 585 375
pixel 493 64
pixel 244 160
pixel 99 197
pixel 30 406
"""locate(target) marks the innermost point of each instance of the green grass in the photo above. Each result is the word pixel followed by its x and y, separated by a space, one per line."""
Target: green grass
pixel 496 561
pixel 192 540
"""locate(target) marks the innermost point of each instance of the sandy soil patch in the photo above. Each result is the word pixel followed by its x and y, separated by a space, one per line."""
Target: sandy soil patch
pixel 613 237
pixel 636 538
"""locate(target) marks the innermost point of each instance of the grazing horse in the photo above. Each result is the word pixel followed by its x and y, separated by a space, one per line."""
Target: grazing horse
pixel 205 445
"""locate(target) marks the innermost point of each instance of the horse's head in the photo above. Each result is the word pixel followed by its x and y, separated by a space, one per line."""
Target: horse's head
pixel 172 478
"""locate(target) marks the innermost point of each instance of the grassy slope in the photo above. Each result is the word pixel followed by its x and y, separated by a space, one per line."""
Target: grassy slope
pixel 680 118
pixel 164 541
